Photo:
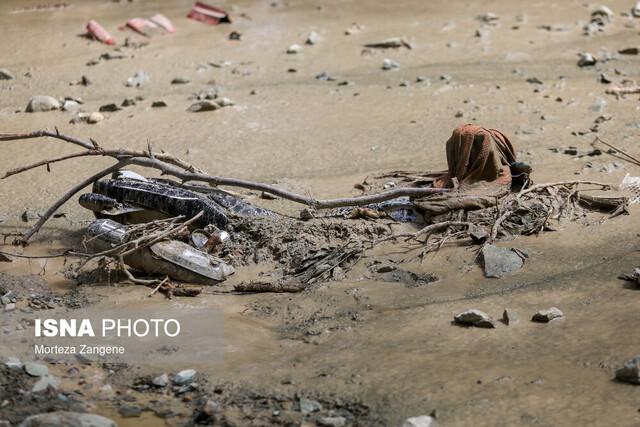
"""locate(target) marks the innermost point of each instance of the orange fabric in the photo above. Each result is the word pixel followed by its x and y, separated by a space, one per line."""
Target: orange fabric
pixel 477 154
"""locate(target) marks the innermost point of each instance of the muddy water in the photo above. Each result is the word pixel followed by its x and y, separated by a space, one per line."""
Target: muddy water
pixel 400 355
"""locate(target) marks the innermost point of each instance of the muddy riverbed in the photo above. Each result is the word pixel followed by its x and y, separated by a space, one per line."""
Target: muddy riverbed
pixel 368 348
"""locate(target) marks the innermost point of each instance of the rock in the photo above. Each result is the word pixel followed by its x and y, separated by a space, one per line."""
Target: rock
pixel 308 406
pixel 586 60
pixel 509 317
pixel 390 64
pixel 476 318
pixel 184 376
pixel 630 371
pixel 161 380
pixel 629 51
pixel 636 10
pixel 40 103
pixel 110 108
pixel 63 418
pixel 13 363
pixel 6 75
pixel 10 307
pixel 545 316
pixel 602 12
pixel 70 105
pixel 106 392
pixel 158 104
pixel 138 79
pixel 129 410
pixel 234 35
pixel 421 421
pixel 203 106
pixel 332 421
pixel 488 18
pixel 294 49
pixel 128 102
pixel 35 369
pixel 180 81
pixel 95 117
pixel 312 38
pixel 84 81
pixel 306 214
pixel 46 383
pixel 604 79
pixel 225 102
pixel 211 407
pixel 498 261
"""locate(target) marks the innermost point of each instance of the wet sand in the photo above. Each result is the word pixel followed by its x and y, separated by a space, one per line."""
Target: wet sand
pixel 394 348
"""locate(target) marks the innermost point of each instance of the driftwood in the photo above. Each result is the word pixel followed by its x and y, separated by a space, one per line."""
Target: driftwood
pixel 173 166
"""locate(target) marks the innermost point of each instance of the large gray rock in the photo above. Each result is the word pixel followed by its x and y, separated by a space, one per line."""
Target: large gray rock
pixel 499 261
pixel 476 318
pixel 630 371
pixel 67 419
pixel 308 406
pixel 184 376
pixel 421 421
pixel 6 75
pixel 46 383
pixel 40 103
pixel 35 369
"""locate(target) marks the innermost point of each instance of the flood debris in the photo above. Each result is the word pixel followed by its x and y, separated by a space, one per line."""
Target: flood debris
pixel 633 277
pixel 547 315
pixel 207 14
pixel 475 318
pixel 97 32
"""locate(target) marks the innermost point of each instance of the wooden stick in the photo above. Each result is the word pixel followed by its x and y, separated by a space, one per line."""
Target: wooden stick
pixel 629 156
pixel 428 229
pixel 564 183
pixel 30 232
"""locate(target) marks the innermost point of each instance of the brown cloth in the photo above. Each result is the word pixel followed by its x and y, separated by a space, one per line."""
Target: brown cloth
pixel 476 154
pixel 478 159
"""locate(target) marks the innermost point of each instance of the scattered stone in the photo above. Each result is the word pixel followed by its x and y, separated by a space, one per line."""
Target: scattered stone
pixel 110 108
pixel 636 10
pixel 308 406
pixel 203 106
pixel 554 28
pixel 158 104
pixel 630 371
pixel 488 18
pixel 475 318
pixel 306 214
pixel 130 411
pixel 586 60
pixel 40 103
pixel 46 383
pixel 294 49
pixel 35 369
pixel 390 64
pixel 604 79
pixel 95 117
pixel 6 75
pixel 324 76
pixel 332 421
pixel 629 51
pixel 128 102
pixel 390 43
pixel 225 102
pixel 184 376
pixel 509 317
pixel 161 380
pixel 180 81
pixel 602 12
pixel 70 105
pixel 13 363
pixel 545 316
pixel 30 215
pixel 312 38
pixel 534 80
pixel 138 79
pixel 421 421
pixel 211 407
pixel 63 418
pixel 234 35
pixel 633 277
pixel 498 261
pixel 108 56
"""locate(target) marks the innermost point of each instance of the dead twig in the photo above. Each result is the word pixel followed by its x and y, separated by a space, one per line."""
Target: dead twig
pixel 538 187
pixel 634 160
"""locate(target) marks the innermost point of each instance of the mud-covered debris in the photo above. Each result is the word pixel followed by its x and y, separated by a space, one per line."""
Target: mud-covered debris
pixel 35 369
pixel 629 51
pixel 390 64
pixel 109 108
pixel 180 81
pixel 185 376
pixel 307 406
pixel 421 421
pixel 633 277
pixel 6 75
pixel 630 371
pixel 390 43
pixel 545 316
pixel 313 38
pixel 42 103
pixel 158 104
pixel 475 318
pixel 294 49
pixel 203 106
pixel 499 261
pixel 586 60
pixel 64 418
pixel 510 317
